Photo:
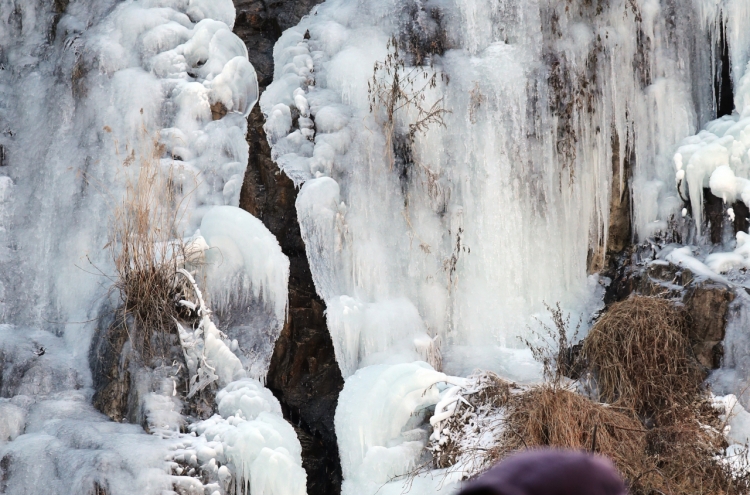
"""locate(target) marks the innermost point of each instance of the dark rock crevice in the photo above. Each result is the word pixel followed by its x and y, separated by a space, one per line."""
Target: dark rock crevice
pixel 723 87
pixel 713 209
pixel 303 374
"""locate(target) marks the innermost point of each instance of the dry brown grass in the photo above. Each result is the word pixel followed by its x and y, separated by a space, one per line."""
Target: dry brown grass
pixel 557 417
pixel 144 244
pixel 679 459
pixel 658 424
pixel 683 455
pixel 547 415
pixel 640 356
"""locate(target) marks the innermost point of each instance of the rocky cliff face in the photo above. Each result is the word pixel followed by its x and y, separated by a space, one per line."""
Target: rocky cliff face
pixel 304 374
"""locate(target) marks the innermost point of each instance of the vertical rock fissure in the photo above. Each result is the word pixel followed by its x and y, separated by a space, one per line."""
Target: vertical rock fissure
pixel 303 374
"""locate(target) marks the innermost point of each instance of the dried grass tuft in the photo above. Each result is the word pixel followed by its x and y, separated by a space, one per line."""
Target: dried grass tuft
pixel 548 416
pixel 682 458
pixel 684 455
pixel 640 355
pixel 144 244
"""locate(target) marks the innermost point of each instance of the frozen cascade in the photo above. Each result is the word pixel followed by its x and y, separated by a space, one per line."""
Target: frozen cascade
pixel 437 236
pixel 434 232
pixel 717 159
pixel 89 89
pixel 472 225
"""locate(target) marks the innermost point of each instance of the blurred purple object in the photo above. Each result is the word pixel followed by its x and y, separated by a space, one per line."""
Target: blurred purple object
pixel 549 472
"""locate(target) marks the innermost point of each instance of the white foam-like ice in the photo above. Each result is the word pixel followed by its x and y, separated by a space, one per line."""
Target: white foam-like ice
pixel 259 447
pixel 717 158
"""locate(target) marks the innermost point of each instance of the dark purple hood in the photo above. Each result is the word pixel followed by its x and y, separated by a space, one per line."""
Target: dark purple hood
pixel 549 472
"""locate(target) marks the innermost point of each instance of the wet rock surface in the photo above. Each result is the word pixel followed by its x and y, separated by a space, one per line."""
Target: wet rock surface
pixel 707 306
pixel 303 373
pixel 109 370
pixel 120 379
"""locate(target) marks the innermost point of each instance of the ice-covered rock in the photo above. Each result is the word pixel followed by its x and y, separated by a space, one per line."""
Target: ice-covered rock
pixel 380 422
pixel 259 447
pixel 89 90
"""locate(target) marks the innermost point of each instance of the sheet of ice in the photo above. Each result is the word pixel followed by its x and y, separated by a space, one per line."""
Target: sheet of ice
pixel 733 376
pixel 246 276
pixel 373 333
pixel 737 418
pixel 739 258
pixel 480 222
pixel 736 431
pixel 241 247
pixel 51 438
pixel 465 231
pixel 459 236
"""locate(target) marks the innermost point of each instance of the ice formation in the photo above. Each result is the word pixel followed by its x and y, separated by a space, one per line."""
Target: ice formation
pixel 717 158
pixel 380 423
pixel 471 226
pixel 434 232
pixel 51 437
pixel 459 228
pixel 136 74
pixel 247 277
pixel 250 439
pixel 86 93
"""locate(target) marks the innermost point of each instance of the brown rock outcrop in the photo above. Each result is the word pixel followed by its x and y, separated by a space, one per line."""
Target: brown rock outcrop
pixel 707 306
pixel 706 302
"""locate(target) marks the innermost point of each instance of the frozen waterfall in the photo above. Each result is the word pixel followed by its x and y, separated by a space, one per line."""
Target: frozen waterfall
pixel 90 91
pixel 460 165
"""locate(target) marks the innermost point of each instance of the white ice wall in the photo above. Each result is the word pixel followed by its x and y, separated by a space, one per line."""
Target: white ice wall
pixel 554 107
pixel 506 206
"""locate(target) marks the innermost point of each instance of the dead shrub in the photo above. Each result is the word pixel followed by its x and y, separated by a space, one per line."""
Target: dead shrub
pixel 474 418
pixel 396 89
pixel 491 390
pixel 558 358
pixel 640 356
